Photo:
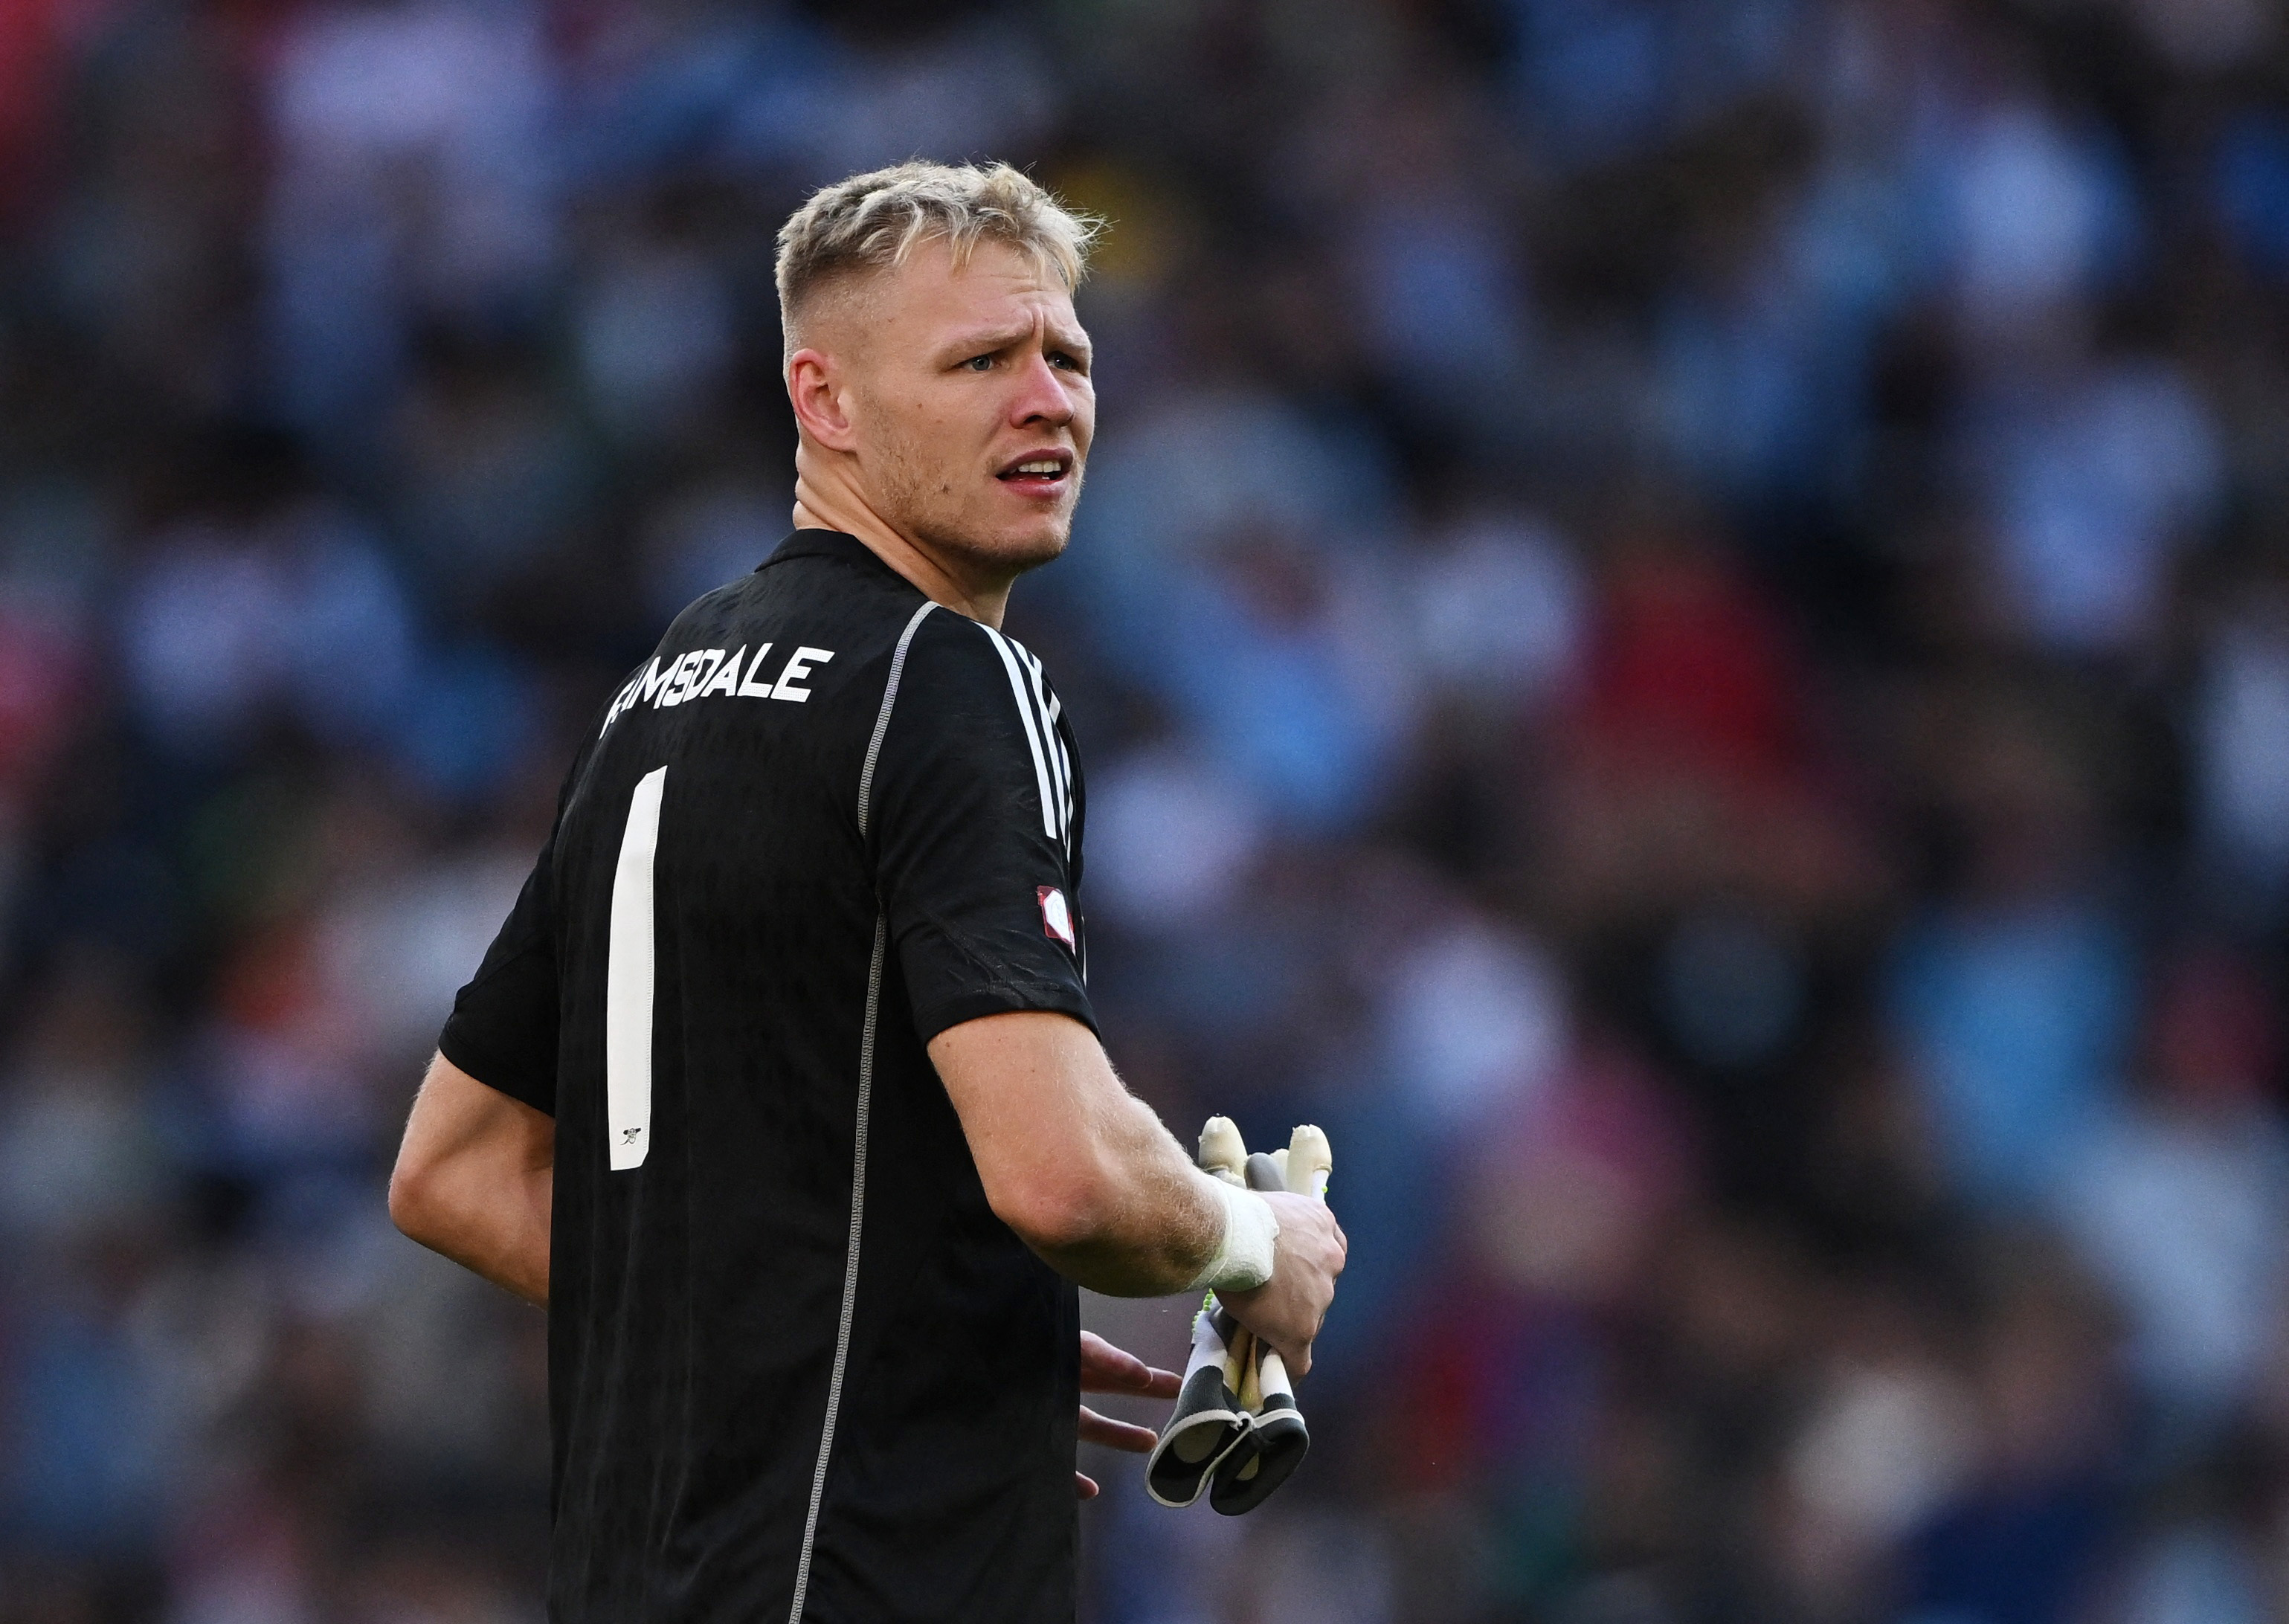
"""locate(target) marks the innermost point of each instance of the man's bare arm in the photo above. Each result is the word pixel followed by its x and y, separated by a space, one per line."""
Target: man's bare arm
pixel 1087 1176
pixel 475 1178
pixel 1078 1166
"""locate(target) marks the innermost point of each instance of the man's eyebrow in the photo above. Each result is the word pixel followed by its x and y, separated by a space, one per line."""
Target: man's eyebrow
pixel 986 343
pixel 992 342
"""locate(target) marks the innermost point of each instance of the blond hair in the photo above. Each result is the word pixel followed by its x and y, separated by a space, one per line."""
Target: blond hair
pixel 874 222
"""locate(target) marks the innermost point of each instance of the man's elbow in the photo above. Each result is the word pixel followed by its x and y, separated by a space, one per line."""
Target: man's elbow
pixel 1053 1214
pixel 414 1200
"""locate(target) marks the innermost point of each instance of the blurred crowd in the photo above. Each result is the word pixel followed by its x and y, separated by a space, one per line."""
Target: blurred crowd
pixel 1681 628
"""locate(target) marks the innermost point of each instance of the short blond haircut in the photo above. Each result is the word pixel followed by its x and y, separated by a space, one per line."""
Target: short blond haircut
pixel 875 221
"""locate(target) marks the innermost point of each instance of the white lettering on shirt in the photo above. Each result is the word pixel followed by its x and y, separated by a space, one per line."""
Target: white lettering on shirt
pixel 751 688
pixel 798 668
pixel 699 665
pixel 671 691
pixel 725 678
pixel 702 673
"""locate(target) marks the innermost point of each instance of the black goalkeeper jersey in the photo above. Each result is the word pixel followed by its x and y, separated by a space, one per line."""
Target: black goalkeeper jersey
pixel 797 1367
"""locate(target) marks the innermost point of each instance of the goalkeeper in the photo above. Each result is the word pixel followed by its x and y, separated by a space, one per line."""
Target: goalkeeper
pixel 780 1086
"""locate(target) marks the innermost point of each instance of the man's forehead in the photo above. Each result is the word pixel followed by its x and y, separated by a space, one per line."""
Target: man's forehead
pixel 997 288
pixel 998 294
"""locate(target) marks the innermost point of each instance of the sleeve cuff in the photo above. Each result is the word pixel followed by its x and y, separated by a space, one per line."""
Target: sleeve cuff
pixel 540 1093
pixel 933 1018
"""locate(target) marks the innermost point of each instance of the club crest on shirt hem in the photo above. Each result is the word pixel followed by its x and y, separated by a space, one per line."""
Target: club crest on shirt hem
pixel 1057 916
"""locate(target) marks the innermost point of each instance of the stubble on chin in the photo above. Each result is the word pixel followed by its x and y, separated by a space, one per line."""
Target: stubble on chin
pixel 924 506
pixel 996 554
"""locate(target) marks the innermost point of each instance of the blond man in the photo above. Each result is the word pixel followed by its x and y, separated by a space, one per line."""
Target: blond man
pixel 781 1086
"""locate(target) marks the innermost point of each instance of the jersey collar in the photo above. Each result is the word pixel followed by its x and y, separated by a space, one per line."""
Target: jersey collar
pixel 832 543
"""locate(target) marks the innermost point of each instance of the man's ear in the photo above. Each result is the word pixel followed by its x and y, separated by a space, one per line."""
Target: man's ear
pixel 818 391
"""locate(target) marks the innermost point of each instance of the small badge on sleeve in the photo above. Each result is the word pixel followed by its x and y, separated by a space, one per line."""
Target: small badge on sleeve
pixel 1057 916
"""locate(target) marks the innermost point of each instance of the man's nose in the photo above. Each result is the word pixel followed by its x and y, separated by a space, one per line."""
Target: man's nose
pixel 1042 396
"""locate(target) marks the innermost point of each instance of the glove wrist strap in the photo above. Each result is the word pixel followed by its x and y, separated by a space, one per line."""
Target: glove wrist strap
pixel 1243 1256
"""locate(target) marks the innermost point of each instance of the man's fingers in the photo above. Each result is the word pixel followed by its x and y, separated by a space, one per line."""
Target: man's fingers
pixel 1107 1369
pixel 1156 1384
pixel 1084 1487
pixel 1097 1428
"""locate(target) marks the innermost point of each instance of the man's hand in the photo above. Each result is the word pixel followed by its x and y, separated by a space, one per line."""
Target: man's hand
pixel 1106 1369
pixel 1286 1310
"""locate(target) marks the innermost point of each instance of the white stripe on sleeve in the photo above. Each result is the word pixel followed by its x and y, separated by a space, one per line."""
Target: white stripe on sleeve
pixel 1060 766
pixel 1032 732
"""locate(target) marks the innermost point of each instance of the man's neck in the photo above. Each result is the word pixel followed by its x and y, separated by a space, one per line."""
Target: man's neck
pixel 817 509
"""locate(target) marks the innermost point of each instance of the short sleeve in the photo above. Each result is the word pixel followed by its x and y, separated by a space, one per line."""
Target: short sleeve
pixel 970 816
pixel 503 1030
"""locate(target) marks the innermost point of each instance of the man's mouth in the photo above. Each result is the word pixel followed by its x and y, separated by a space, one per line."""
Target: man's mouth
pixel 1038 470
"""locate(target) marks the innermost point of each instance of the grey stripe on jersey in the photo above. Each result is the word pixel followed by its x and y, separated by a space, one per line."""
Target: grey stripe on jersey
pixel 1049 822
pixel 858 1158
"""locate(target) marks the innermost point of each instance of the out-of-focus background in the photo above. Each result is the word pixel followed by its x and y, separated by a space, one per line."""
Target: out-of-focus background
pixel 1681 632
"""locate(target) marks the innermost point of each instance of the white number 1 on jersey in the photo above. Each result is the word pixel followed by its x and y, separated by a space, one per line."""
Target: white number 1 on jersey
pixel 628 982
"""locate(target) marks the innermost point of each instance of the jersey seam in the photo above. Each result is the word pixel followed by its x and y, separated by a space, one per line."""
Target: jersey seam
pixel 882 718
pixel 841 1366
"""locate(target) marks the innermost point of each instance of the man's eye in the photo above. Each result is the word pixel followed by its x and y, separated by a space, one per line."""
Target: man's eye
pixel 979 363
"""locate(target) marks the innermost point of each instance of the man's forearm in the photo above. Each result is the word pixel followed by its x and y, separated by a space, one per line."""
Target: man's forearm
pixel 500 1230
pixel 1080 1169
pixel 476 1180
pixel 1156 1225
